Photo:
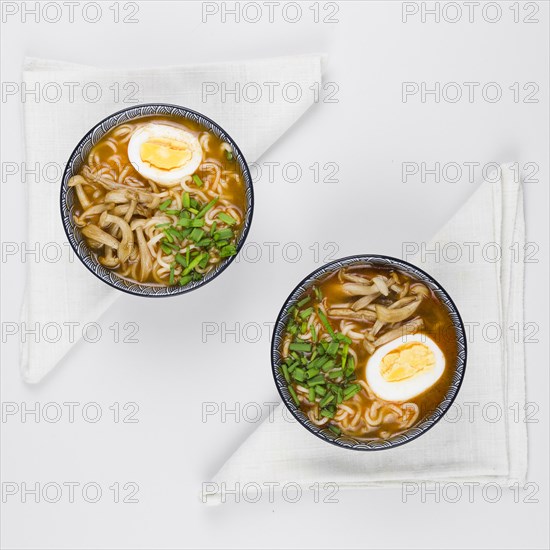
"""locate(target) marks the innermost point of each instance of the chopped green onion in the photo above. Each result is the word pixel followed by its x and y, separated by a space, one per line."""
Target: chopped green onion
pixel 294 396
pixel 172 267
pixel 204 261
pixel 304 301
pixel 205 243
pixel 163 206
pixel 350 391
pixel 206 208
pixel 329 398
pixel 319 379
pixel 197 234
pixel 311 395
pixel 223 234
pixel 328 365
pixel 335 429
pixel 299 374
pixel 306 313
pixel 229 155
pixel 312 372
pixel 333 348
pixel 300 346
pixel 181 260
pixel 284 369
pixel 163 225
pixel 229 250
pixel 325 322
pixel 186 200
pixel 185 279
pixel 173 232
pixel 229 220
pixel 345 354
pixel 350 367
pixel 193 264
pixel 197 180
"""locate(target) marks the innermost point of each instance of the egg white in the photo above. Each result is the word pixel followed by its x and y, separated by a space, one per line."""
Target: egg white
pixel 403 390
pixel 166 178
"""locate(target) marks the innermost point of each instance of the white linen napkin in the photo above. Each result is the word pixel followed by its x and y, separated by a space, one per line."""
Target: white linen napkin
pixel 468 444
pixel 64 292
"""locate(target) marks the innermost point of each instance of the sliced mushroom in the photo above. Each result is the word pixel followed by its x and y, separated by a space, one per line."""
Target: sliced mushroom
pixel 152 200
pixel 369 347
pixel 94 233
pixel 118 196
pixel 93 211
pixel 377 327
pixel 405 290
pixel 122 209
pixel 355 278
pixel 364 301
pixel 349 314
pixel 109 260
pixel 130 211
pixel 96 178
pixel 356 289
pixel 381 285
pixel 78 182
pixel 146 261
pixel 96 245
pixel 127 243
pixel 396 288
pixel 403 302
pixel 420 290
pixel 388 315
pixel 410 327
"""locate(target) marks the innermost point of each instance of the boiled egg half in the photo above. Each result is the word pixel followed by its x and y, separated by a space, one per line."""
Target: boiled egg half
pixel 164 154
pixel 404 368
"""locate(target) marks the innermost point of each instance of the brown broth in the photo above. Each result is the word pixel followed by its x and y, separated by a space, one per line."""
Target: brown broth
pixel 118 161
pixel 437 325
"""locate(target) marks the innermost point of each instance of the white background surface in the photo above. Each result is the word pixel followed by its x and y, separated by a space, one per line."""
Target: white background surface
pixel 171 372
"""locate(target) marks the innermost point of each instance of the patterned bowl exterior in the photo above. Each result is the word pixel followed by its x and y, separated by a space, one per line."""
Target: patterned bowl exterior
pixel 345 441
pixel 78 157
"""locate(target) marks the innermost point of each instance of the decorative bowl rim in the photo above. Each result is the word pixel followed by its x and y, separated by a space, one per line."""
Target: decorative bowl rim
pixel 77 241
pixel 410 434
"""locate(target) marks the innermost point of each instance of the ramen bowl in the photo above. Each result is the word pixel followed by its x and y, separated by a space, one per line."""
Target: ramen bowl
pixel 368 352
pixel 156 200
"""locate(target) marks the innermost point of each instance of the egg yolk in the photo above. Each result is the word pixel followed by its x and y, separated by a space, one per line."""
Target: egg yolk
pixel 165 153
pixel 406 361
